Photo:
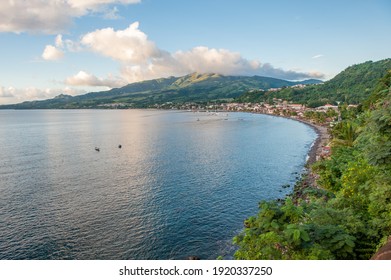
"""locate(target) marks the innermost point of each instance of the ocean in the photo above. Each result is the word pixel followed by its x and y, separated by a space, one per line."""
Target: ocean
pixel 180 185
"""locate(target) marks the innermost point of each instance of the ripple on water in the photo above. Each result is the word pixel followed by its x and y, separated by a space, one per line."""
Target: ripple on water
pixel 178 186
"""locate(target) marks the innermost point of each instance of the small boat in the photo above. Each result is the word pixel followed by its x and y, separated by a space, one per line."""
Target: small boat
pixel 97 149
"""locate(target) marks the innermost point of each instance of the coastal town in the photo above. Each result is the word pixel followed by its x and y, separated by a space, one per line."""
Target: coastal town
pixel 327 114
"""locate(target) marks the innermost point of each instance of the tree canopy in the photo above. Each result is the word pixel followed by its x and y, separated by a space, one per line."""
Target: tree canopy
pixel 349 217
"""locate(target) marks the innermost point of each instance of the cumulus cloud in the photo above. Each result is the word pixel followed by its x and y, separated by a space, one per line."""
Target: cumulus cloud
pixel 11 95
pixel 129 45
pixel 52 53
pixel 57 52
pixel 85 79
pixel 43 16
pixel 35 16
pixel 6 92
pixel 203 59
pixel 269 70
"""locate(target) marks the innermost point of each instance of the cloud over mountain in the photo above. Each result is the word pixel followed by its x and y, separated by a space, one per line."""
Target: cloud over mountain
pixel 10 95
pixel 85 79
pixel 141 59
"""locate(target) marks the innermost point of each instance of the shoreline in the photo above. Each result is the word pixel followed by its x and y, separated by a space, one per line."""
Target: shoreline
pixel 321 140
pixel 308 177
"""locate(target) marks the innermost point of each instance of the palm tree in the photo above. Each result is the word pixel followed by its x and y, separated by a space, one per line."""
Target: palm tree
pixel 344 134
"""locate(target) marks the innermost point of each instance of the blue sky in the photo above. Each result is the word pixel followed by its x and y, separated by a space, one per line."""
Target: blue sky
pixel 76 46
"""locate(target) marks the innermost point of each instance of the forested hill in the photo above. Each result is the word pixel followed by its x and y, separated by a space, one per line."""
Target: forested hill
pixel 346 214
pixel 194 87
pixel 353 85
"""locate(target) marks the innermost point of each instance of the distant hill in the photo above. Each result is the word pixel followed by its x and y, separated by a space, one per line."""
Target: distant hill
pixel 311 82
pixel 353 85
pixel 194 87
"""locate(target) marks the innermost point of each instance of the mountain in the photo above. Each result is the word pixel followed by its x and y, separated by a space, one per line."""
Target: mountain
pixel 353 85
pixel 311 82
pixel 194 87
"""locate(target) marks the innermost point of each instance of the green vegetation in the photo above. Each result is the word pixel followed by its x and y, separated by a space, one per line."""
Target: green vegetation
pixel 349 216
pixel 352 86
pixel 190 88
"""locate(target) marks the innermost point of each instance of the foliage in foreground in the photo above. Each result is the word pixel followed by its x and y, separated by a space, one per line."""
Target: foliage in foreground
pixel 352 216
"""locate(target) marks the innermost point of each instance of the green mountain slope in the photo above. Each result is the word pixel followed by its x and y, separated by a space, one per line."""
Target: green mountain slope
pixel 189 88
pixel 353 85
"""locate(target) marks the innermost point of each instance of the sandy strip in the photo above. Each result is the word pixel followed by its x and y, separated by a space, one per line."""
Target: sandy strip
pixel 322 140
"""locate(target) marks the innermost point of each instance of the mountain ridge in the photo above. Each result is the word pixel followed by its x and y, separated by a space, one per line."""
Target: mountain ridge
pixel 194 87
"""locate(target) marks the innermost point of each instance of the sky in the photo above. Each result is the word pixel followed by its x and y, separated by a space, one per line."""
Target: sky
pixel 52 47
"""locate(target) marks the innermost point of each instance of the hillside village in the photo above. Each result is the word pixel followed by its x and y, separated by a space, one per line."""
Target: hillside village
pixel 324 115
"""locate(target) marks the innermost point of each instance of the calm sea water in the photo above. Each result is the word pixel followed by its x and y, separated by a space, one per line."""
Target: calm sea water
pixel 181 184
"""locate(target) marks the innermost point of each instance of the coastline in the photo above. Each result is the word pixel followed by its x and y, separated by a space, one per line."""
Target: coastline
pixel 321 140
pixel 309 177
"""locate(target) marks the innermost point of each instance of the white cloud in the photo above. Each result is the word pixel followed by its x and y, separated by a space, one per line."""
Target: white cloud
pixel 6 92
pixel 85 79
pixel 95 4
pixel 36 16
pixel 57 52
pixel 269 70
pixel 317 56
pixel 129 45
pixel 12 95
pixel 203 59
pixel 43 16
pixel 58 41
pixel 52 53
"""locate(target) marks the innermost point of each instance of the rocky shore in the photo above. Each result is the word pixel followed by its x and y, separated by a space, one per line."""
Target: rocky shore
pixel 321 141
pixel 308 179
pixel 315 153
